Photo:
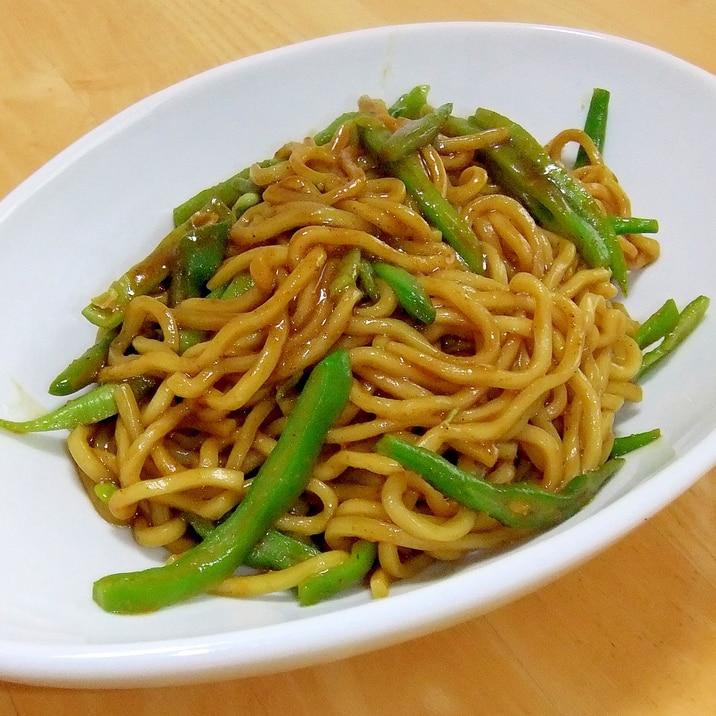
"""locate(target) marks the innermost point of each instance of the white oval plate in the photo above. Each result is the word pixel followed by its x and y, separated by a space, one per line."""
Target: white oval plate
pixel 104 202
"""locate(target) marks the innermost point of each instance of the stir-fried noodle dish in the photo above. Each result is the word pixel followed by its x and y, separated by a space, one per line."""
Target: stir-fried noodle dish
pixel 418 316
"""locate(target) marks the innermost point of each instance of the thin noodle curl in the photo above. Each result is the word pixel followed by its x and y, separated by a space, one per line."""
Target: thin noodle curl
pixel 520 376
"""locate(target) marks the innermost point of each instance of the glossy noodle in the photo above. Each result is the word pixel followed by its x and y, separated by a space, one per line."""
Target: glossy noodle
pixel 519 377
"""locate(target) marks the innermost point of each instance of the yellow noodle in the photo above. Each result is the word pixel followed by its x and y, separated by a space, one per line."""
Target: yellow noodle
pixel 376 530
pixel 333 466
pixel 158 535
pixel 471 182
pixel 86 457
pixel 125 499
pixel 266 255
pixel 380 583
pixel 447 530
pixel 305 238
pixel 142 446
pixel 139 310
pixel 394 565
pixel 315 523
pixel 290 217
pixel 256 376
pixel 391 219
pixel 309 352
pixel 252 585
pixel 519 377
pixel 129 412
pixel 245 436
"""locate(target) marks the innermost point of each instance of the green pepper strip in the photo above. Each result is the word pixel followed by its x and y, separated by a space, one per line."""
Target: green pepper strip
pixel 523 505
pixel 347 272
pixel 83 371
pixel 439 212
pixel 238 286
pixel 275 550
pixel 633 225
pixel 658 325
pixel 86 409
pixel 366 277
pixel 414 135
pixel 628 443
pixel 278 484
pixel 326 134
pixel 107 309
pixel 408 290
pixel 95 405
pixel 227 192
pixel 199 254
pixel 190 255
pixel 689 319
pixel 555 199
pixel 436 209
pixel 244 202
pixel 411 104
pixel 595 124
pixel 329 583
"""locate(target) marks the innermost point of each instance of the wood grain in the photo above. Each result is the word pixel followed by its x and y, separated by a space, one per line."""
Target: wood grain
pixel 631 632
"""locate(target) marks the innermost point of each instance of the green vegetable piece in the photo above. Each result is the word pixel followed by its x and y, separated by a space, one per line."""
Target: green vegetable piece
pixel 408 290
pixel 628 443
pixel 366 277
pixel 348 271
pixel 595 125
pixel 414 135
pixel 105 490
pixel 436 209
pixel 275 550
pixel 280 481
pixel 244 202
pixel 199 255
pixel 83 370
pixel 411 104
pixel 337 579
pixel 556 200
pixel 633 225
pixel 325 135
pixel 189 337
pixel 107 309
pixel 227 192
pixel 239 285
pixel 658 325
pixel 201 525
pixel 689 319
pixel 522 504
pixel 440 213
pixel 190 254
pixel 92 407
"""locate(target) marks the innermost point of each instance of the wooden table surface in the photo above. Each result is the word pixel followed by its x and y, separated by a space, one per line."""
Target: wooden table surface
pixel 631 632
